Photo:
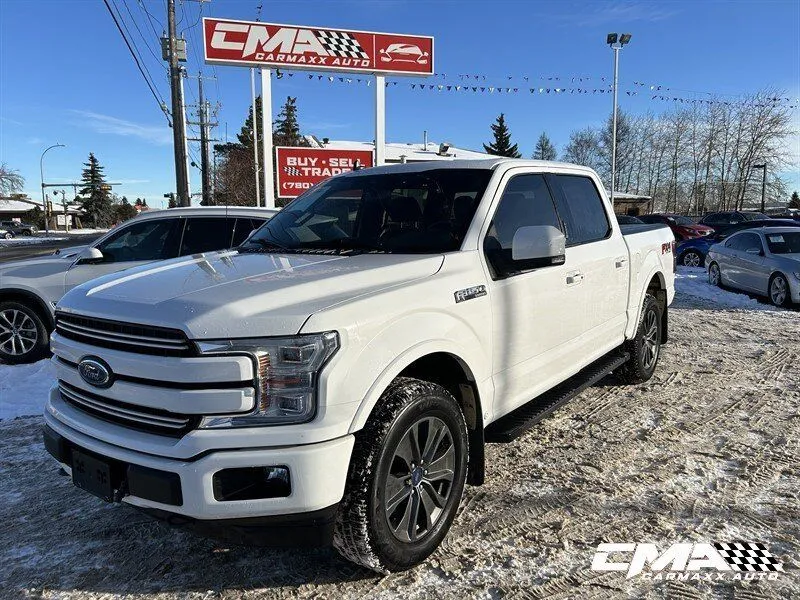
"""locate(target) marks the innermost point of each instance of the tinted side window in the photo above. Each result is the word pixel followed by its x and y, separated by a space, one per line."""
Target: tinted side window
pixel 584 215
pixel 243 228
pixel 206 234
pixel 146 240
pixel 526 201
pixel 749 241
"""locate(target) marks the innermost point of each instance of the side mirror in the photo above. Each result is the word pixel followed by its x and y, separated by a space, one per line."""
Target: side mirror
pixel 539 245
pixel 91 254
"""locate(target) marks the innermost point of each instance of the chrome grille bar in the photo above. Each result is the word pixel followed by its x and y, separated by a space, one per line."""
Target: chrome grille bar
pixel 128 339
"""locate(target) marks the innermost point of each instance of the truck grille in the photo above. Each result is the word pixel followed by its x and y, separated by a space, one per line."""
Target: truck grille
pixel 128 337
pixel 136 417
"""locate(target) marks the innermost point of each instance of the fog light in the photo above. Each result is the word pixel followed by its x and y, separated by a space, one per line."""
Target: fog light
pixel 251 483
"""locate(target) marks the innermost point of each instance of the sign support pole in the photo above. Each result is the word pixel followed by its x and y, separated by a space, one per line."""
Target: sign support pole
pixel 380 120
pixel 255 132
pixel 266 137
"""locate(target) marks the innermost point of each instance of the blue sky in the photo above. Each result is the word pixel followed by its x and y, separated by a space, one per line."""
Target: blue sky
pixel 66 75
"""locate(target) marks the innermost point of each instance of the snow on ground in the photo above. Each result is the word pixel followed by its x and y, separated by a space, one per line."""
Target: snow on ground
pixel 707 450
pixel 30 241
pixel 693 281
pixel 24 388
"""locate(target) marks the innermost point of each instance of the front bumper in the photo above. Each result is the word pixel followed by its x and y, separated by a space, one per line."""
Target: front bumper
pixel 185 488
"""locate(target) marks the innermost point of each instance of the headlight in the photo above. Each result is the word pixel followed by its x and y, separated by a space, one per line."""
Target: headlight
pixel 287 369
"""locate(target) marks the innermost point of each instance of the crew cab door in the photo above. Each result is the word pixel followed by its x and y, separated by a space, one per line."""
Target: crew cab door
pixel 535 312
pixel 596 251
pixel 132 245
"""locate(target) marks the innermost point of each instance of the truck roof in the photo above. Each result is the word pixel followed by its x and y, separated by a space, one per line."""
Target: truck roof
pixel 484 163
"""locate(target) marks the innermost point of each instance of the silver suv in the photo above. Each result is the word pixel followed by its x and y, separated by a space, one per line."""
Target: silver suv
pixel 30 289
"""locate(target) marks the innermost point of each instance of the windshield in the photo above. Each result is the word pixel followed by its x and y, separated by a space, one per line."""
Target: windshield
pixel 683 220
pixel 784 243
pixel 406 213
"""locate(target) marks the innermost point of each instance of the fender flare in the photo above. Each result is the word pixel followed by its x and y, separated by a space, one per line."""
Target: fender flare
pixel 41 305
pixel 634 322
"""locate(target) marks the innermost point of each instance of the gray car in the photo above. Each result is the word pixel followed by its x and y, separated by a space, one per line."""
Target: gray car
pixel 764 261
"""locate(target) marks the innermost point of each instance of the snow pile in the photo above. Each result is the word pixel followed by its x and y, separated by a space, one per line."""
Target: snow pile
pixel 24 388
pixel 29 241
pixel 693 281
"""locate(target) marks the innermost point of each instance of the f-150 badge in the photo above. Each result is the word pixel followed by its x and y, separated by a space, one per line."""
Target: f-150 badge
pixel 469 293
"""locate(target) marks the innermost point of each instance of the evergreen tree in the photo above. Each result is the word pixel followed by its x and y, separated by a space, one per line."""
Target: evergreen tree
pixel 124 210
pixel 287 129
pixel 545 150
pixel 795 201
pixel 95 198
pixel 502 146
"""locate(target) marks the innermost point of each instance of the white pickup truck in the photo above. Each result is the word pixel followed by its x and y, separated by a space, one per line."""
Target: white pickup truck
pixel 336 378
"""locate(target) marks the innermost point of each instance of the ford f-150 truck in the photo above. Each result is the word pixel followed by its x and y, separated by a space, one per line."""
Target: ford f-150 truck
pixel 335 378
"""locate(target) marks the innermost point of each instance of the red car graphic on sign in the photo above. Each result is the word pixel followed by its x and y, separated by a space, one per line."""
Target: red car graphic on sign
pixel 404 53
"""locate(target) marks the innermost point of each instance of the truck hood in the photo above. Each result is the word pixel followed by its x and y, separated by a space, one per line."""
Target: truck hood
pixel 224 295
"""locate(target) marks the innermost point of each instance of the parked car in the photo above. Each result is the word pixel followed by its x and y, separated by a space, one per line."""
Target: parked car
pixel 692 253
pixel 19 228
pixel 682 227
pixel 629 220
pixel 731 217
pixel 764 261
pixel 5 233
pixel 339 374
pixel 30 289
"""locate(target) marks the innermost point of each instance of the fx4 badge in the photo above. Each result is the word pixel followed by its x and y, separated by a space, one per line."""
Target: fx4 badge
pixel 469 293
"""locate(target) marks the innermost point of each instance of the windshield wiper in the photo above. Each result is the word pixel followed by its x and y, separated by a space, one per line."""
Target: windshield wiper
pixel 348 245
pixel 265 244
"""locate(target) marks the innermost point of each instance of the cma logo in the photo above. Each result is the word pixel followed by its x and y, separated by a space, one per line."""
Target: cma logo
pixel 686 558
pixel 287 40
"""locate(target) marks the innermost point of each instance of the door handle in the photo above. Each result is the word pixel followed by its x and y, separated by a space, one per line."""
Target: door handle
pixel 574 278
pixel 620 262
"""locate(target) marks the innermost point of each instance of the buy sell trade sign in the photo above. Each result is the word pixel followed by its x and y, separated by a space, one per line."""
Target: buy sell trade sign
pixel 299 169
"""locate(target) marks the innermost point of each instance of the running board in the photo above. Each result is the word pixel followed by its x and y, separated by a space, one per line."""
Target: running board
pixel 514 424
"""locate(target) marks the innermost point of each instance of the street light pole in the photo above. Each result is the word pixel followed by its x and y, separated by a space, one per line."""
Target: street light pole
pixel 44 196
pixel 763 184
pixel 611 40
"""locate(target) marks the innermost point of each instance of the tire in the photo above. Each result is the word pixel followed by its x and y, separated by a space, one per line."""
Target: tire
pixel 779 291
pixel 691 258
pixel 8 235
pixel 383 538
pixel 714 275
pixel 23 335
pixel 645 347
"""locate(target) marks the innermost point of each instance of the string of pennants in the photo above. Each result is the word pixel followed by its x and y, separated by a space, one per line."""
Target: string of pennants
pixel 466 85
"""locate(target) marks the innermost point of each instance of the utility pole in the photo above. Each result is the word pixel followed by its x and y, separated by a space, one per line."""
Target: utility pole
pixel 206 164
pixel 611 40
pixel 763 185
pixel 178 117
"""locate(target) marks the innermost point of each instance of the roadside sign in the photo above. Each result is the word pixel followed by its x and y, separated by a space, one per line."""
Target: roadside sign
pixel 299 169
pixel 255 44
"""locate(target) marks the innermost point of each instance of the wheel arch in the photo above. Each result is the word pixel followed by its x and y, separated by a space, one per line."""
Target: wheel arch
pixel 447 368
pixel 657 286
pixel 28 297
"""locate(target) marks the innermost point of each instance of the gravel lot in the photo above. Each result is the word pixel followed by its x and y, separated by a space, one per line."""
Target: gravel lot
pixel 707 451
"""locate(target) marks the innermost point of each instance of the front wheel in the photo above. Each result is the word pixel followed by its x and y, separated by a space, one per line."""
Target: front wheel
pixel 645 347
pixel 714 275
pixel 691 258
pixel 406 477
pixel 8 235
pixel 779 290
pixel 23 335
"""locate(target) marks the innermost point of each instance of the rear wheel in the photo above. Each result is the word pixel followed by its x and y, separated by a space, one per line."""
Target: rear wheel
pixel 714 275
pixel 8 235
pixel 691 258
pixel 779 290
pixel 406 478
pixel 645 347
pixel 23 335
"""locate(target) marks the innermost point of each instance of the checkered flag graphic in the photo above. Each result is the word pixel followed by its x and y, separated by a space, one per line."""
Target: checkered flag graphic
pixel 292 171
pixel 748 556
pixel 341 44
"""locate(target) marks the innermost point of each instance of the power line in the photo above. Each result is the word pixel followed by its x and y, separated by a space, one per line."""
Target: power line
pixel 138 64
pixel 158 59
pixel 150 19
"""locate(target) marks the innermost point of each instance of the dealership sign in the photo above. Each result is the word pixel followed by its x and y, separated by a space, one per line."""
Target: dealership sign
pixel 299 169
pixel 254 44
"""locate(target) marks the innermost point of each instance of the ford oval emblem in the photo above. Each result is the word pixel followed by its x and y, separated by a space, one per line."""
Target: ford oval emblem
pixel 95 372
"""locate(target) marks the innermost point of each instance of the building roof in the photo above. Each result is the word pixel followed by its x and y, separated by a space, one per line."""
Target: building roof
pixel 412 152
pixel 22 206
pixel 631 197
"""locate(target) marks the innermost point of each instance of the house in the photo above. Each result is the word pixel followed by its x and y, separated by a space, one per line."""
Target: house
pixel 13 208
pixel 632 204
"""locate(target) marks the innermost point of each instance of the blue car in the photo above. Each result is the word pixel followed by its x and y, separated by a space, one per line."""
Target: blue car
pixel 692 253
